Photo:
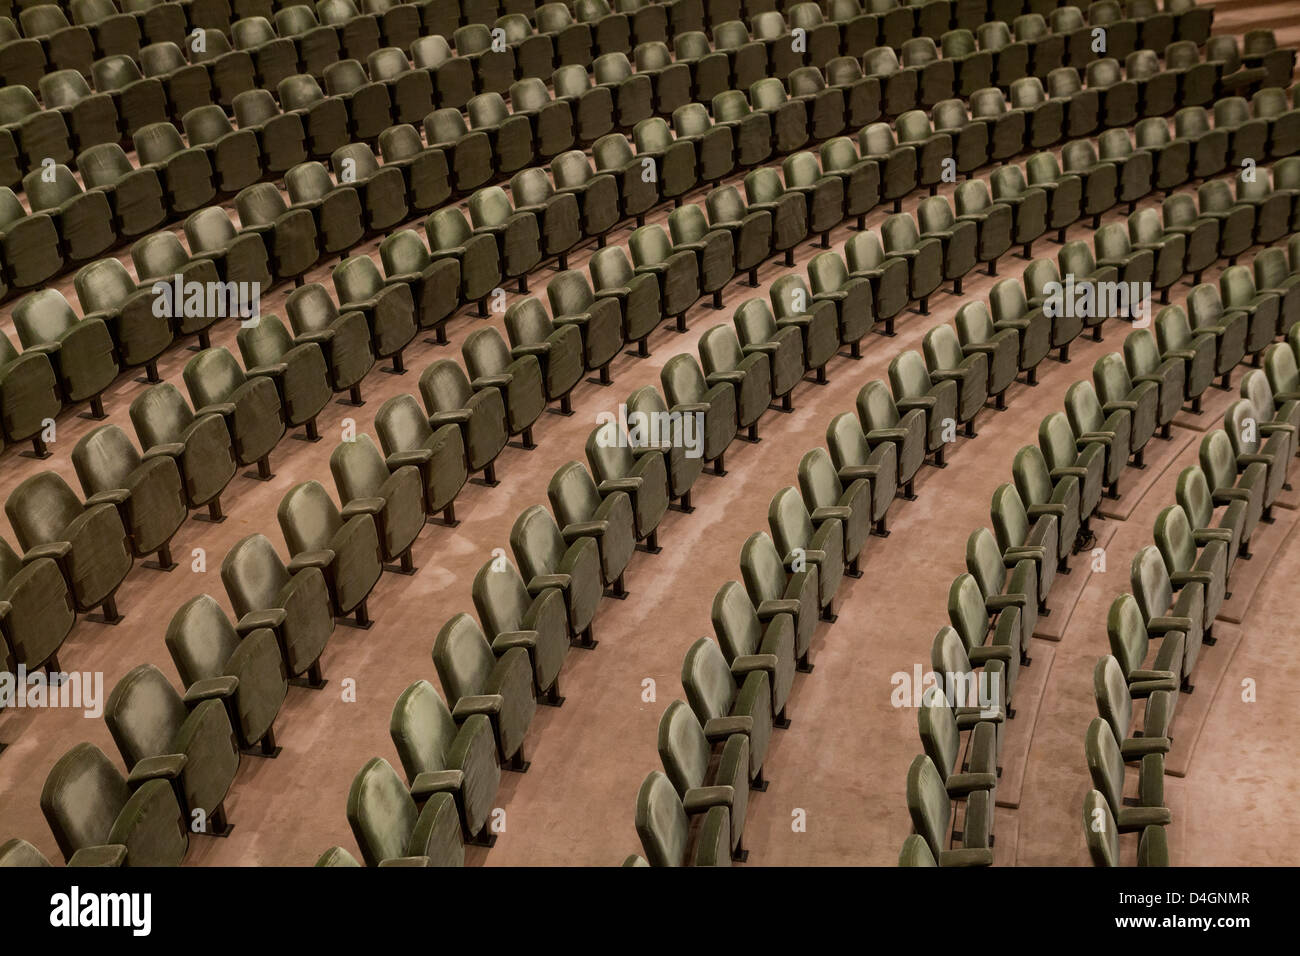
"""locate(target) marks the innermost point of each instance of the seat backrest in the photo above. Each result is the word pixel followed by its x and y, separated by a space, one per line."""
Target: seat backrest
pixel 160 414
pixel 570 293
pixel 1027 92
pixel 144 713
pixel 682 380
pixel 1127 632
pixel 788 518
pixel 950 114
pixel 735 622
pixel 610 268
pixel 818 481
pixel 928 803
pixel 445 387
pixel 1217 460
pixel 1193 495
pixel 754 321
pixel 402 425
pixel 938 729
pixel 1113 701
pixel 573 494
pixel 308 517
pixel 707 680
pixel 764 185
pixel 253 574
pixel 486 353
pixel 201 639
pixel 683 748
pixel 104 459
pixel 661 822
pixel 1099 830
pixel 760 565
pixel 1149 579
pixel 462 657
pixel 942 350
pixel 422 729
pixel 908 377
pixel 536 542
pixel 935 215
pixel 720 349
pixel 801 169
pixel 380 812
pixel 431 52
pixel 41 508
pixel 115 72
pixel 984 561
pixel 81 798
pixel 876 407
pixel 1007 511
pixel 900 232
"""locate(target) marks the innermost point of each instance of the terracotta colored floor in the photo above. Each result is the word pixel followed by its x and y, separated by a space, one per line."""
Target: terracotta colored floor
pixel 843 760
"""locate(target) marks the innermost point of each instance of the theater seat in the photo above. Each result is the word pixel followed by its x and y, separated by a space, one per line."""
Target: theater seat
pixel 187 742
pixel 81 350
pixel 441 756
pixel 297 367
pixel 36 610
pixel 931 812
pixel 728 703
pixel 477 681
pixel 513 615
pixel 245 672
pixel 1102 834
pixel 86 540
pixel 95 813
pixel 389 828
pixel 294 605
pixel 146 490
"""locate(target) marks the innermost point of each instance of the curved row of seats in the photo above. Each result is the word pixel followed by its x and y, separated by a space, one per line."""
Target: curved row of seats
pixel 269 143
pixel 511 394
pixel 763 628
pixel 1038 526
pixel 44 37
pixel 98 121
pixel 1178 585
pixel 296 383
pixel 129 758
pixel 106 288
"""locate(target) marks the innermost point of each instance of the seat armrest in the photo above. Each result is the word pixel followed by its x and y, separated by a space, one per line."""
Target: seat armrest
pixel 583 529
pixel 720 728
pixel 543 582
pixel 611 485
pixel 271 617
pixel 702 799
pixel 466 707
pixel 54 550
pixel 363 506
pixel 107 854
pixel 436 781
pixel 770 609
pixel 511 639
pixel 163 767
pixel 213 688
pixel 753 662
pixel 311 559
